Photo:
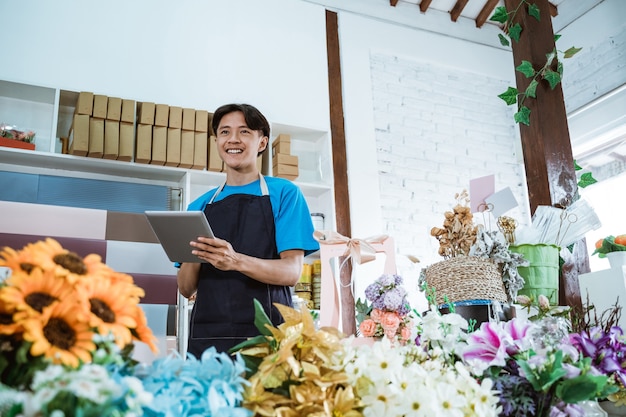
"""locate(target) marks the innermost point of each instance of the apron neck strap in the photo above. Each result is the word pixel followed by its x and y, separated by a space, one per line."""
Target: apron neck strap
pixel 263 183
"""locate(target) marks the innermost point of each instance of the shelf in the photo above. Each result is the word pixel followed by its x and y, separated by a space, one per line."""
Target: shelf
pixel 27 92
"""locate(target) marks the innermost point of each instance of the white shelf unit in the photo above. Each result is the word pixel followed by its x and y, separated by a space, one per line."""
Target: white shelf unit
pixel 48 112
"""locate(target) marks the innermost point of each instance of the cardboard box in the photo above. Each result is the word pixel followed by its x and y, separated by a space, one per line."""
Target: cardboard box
pixel 96 138
pixel 114 109
pixel 143 143
pixel 202 121
pixel 176 117
pixel 200 150
pixel 111 139
pixel 127 141
pixel 173 147
pixel 283 159
pixel 84 104
pixel 285 171
pixel 100 103
pixel 282 144
pixel 79 135
pixel 215 163
pixel 189 119
pixel 187 143
pixel 161 115
pixel 145 113
pixel 128 111
pixel 159 145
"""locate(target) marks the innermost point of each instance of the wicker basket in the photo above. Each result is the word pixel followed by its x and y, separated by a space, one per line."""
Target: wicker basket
pixel 465 278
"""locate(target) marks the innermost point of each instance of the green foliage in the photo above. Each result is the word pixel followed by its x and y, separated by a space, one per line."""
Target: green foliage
pixel 363 309
pixel 546 72
pixel 586 178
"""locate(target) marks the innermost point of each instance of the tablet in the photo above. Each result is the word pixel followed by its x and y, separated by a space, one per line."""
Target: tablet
pixel 175 229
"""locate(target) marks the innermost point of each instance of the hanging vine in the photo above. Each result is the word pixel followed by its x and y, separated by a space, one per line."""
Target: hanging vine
pixel 551 71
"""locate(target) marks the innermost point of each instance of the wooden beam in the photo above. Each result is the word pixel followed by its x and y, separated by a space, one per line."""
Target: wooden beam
pixel 554 11
pixel 424 5
pixel 546 145
pixel 457 9
pixel 340 166
pixel 485 12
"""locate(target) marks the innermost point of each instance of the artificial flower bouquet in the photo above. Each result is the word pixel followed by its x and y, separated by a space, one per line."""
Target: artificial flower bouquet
pixel 387 314
pixel 13 132
pixel 67 327
pixel 610 244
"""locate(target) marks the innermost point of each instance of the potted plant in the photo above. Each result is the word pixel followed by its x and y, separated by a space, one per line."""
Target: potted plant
pixel 613 248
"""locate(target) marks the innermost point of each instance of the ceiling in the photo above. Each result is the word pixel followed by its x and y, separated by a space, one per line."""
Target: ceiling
pixel 598 134
pixel 476 10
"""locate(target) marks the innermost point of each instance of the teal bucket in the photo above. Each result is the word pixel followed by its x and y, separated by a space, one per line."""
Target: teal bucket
pixel 541 277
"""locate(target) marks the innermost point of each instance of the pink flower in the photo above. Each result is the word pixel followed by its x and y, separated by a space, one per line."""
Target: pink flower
pixel 390 321
pixel 487 345
pixel 367 327
pixel 523 300
pixel 377 315
pixel 517 329
pixel 543 301
pixel 405 334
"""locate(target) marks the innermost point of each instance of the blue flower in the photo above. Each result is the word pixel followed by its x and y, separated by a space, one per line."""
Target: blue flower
pixel 210 386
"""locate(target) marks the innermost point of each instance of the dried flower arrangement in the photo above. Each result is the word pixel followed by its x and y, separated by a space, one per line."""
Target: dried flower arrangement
pixel 459 232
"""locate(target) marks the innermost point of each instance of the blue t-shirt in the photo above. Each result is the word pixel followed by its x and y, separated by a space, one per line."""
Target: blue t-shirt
pixel 294 228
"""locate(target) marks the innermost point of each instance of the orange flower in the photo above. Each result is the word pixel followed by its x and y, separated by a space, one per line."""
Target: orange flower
pixel 60 335
pixel 112 305
pixel 32 293
pixel 390 321
pixel 367 327
pixel 377 315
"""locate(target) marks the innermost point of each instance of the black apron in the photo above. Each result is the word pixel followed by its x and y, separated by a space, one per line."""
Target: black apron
pixel 223 313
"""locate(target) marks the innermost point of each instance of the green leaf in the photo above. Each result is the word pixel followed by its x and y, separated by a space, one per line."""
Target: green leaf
pixel 552 77
pixel 499 15
pixel 526 68
pixel 531 90
pixel 550 56
pixel 509 96
pixel 533 10
pixel 586 179
pixel 559 68
pixel 523 116
pixel 580 388
pixel 571 52
pixel 503 40
pixel 557 37
pixel 261 319
pixel 515 31
pixel 576 166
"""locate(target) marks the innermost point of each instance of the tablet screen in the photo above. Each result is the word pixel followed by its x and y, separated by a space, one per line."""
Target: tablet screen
pixel 175 229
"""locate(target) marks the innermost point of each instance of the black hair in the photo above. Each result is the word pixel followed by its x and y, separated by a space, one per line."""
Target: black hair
pixel 253 117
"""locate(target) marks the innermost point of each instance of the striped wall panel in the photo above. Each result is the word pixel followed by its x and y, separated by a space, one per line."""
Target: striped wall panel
pixel 123 240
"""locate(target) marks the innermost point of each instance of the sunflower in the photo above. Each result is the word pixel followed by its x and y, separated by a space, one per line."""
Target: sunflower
pixel 112 304
pixel 32 293
pixel 60 335
pixel 142 332
pixel 23 260
pixel 7 325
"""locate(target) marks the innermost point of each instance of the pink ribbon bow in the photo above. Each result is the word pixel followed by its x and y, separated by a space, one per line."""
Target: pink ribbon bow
pixel 360 250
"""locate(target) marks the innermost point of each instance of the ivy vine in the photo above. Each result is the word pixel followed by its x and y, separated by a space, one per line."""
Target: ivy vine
pixel 551 71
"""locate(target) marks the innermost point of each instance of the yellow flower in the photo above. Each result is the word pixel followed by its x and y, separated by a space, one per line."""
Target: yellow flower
pixel 298 356
pixel 31 293
pixel 113 306
pixel 60 335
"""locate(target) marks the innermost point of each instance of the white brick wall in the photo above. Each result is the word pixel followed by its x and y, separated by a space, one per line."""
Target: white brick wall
pixel 437 128
pixel 595 70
